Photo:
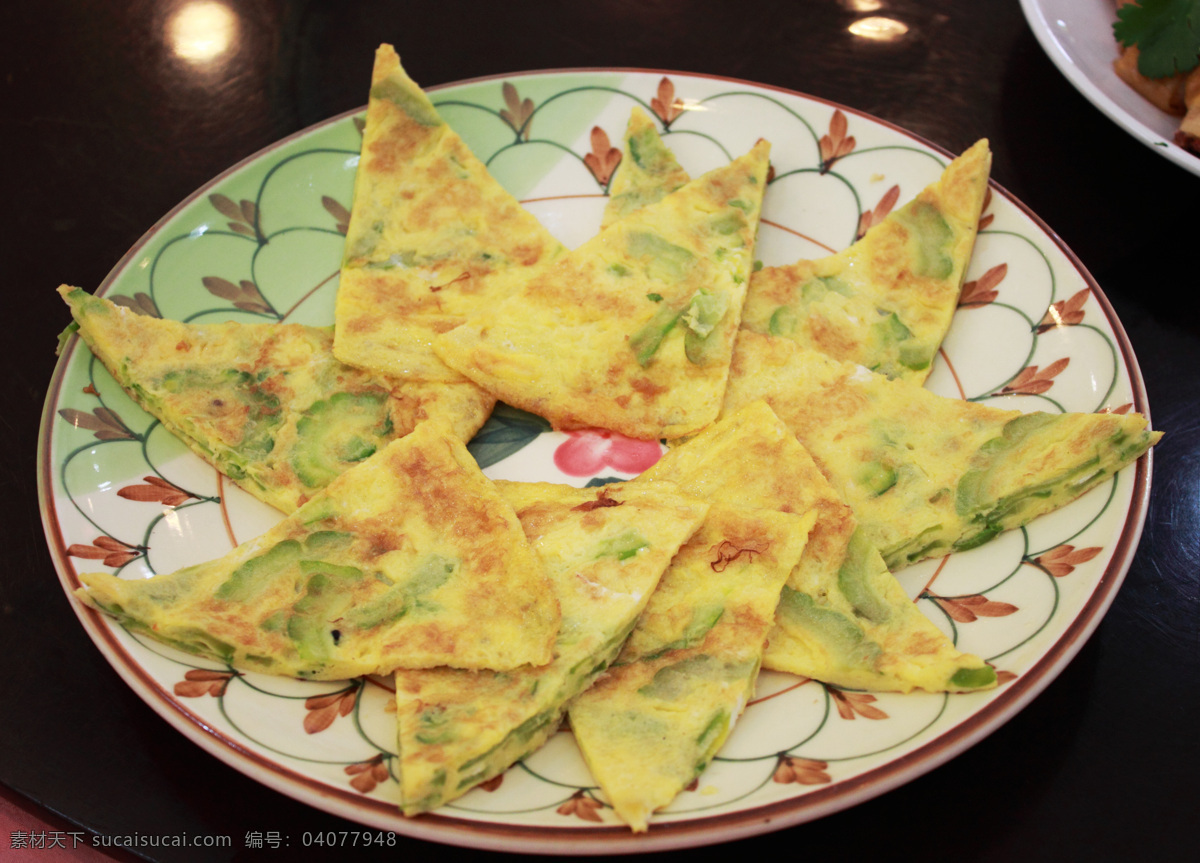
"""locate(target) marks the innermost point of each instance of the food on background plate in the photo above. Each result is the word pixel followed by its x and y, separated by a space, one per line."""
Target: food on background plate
pixel 432 240
pixel 927 475
pixel 267 405
pixel 886 301
pixel 654 721
pixel 410 558
pixel 1160 52
pixel 633 330
pixel 842 617
pixel 604 550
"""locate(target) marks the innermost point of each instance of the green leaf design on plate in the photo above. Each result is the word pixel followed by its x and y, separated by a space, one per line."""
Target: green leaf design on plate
pixel 602 480
pixel 506 431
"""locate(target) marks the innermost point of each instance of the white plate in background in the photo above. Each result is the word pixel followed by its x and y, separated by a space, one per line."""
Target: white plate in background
pixel 1077 36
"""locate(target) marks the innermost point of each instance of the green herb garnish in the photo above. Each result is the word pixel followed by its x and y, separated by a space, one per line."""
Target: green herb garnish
pixel 1165 32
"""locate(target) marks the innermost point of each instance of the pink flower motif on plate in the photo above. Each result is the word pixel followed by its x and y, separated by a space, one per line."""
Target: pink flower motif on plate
pixel 587 452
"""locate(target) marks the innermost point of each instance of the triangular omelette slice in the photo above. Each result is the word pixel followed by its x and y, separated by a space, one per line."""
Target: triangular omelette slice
pixel 653 722
pixel 410 559
pixel 267 405
pixel 432 238
pixel 604 551
pixel 924 474
pixel 886 301
pixel 842 618
pixel 633 330
pixel 648 170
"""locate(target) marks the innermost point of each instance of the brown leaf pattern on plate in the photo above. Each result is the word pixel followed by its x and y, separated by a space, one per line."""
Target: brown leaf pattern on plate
pixel 103 423
pixel 1062 560
pixel 581 806
pixel 1005 677
pixel 1064 313
pixel 967 609
pixel 141 302
pixel 492 784
pixel 518 112
pixel 985 218
pixel 982 291
pixel 836 143
pixel 340 213
pixel 604 158
pixel 1032 380
pixel 243 216
pixel 1120 409
pixel 111 551
pixel 367 774
pixel 201 681
pixel 853 704
pixel 801 771
pixel 323 709
pixel 244 295
pixel 870 218
pixel 665 105
pixel 156 490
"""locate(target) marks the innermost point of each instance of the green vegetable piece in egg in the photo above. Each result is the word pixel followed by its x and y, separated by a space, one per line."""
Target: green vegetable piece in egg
pixel 974 678
pixel 662 259
pixel 339 431
pixel 622 546
pixel 854 580
pixel 701 341
pixel 933 237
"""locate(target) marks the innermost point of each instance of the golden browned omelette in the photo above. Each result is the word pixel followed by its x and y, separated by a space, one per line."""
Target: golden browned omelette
pixel 433 237
pixel 633 330
pixel 647 172
pixel 654 721
pixel 604 551
pixel 886 301
pixel 924 474
pixel 842 617
pixel 267 405
pixel 411 559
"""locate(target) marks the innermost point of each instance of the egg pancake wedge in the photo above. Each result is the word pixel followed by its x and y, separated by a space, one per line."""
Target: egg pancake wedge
pixel 926 475
pixel 842 617
pixel 652 723
pixel 633 330
pixel 886 301
pixel 432 235
pixel 267 405
pixel 411 559
pixel 647 172
pixel 604 551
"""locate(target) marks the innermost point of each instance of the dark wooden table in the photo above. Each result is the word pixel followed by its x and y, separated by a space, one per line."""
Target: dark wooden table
pixel 103 133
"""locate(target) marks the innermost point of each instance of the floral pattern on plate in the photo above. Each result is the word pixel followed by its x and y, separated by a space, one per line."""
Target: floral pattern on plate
pixel 263 242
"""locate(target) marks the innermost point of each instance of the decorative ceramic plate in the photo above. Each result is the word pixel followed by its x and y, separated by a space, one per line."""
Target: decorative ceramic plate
pixel 263 242
pixel 1077 36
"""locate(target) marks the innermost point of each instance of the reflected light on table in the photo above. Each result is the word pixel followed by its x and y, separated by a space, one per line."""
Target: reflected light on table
pixel 878 29
pixel 202 31
pixel 863 5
